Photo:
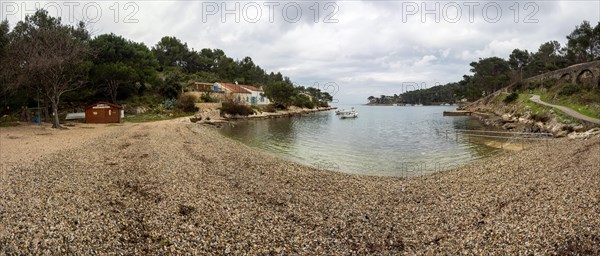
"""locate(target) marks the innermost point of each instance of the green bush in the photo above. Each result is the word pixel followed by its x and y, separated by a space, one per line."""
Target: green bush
pixel 144 101
pixel 569 89
pixel 302 101
pixel 187 102
pixel 169 103
pixel 207 98
pixel 511 97
pixel 268 108
pixel 550 83
pixel 540 117
pixel 233 108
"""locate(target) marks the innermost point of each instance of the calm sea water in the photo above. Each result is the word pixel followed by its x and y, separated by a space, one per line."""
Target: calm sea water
pixel 383 140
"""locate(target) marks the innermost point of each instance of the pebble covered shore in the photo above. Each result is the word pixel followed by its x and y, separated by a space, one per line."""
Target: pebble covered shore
pixel 180 188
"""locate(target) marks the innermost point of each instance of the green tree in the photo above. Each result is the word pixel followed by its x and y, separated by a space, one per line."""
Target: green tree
pixel 518 60
pixel 50 55
pixel 547 57
pixel 171 52
pixel 584 42
pixel 302 100
pixel 113 75
pixel 119 61
pixel 490 74
pixel 172 86
pixel 280 92
pixel 4 40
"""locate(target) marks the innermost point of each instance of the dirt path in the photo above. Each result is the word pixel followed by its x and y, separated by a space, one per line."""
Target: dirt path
pixel 175 188
pixel 570 112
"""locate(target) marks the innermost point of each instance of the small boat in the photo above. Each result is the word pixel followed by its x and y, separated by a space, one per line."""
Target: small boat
pixel 348 114
pixel 343 111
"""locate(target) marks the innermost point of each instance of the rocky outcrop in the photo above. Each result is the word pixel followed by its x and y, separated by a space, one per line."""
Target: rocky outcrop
pixel 510 117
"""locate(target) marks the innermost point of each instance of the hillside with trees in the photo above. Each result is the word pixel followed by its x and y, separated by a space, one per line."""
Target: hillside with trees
pixel 60 67
pixel 493 73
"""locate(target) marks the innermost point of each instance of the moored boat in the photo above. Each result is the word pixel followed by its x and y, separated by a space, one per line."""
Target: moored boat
pixel 349 115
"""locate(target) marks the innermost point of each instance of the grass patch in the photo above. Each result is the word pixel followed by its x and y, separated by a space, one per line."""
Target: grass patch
pixel 573 103
pixel 8 124
pixel 511 97
pixel 539 112
pixel 151 117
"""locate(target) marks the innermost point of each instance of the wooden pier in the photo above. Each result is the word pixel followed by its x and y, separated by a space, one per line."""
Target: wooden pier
pixel 457 113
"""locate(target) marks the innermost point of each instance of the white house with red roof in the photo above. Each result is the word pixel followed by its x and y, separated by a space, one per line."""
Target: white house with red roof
pixel 245 94
pixel 256 97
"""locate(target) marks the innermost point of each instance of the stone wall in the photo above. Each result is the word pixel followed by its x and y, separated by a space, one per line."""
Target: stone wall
pixel 207 106
pixel 578 74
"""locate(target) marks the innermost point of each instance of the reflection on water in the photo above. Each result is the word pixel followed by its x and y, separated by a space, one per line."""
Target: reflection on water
pixel 383 140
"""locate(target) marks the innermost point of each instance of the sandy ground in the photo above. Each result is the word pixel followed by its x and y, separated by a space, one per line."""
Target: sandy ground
pixel 28 142
pixel 172 187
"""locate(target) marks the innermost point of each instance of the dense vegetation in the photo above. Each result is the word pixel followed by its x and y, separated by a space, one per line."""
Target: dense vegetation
pixel 491 74
pixel 45 62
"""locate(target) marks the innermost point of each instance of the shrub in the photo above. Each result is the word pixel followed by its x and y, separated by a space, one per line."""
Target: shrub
pixel 540 117
pixel 268 108
pixel 279 106
pixel 187 102
pixel 302 101
pixel 234 108
pixel 550 83
pixel 207 98
pixel 324 104
pixel 569 89
pixel 169 103
pixel 159 109
pixel 568 128
pixel 511 97
pixel 144 101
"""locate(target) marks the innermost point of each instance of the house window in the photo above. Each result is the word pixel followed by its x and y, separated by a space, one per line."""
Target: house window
pixel 262 99
pixel 247 99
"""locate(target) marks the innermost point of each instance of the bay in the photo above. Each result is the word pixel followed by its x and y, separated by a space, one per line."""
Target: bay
pixel 383 140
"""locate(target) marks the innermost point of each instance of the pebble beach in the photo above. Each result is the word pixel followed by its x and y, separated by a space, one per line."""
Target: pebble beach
pixel 174 187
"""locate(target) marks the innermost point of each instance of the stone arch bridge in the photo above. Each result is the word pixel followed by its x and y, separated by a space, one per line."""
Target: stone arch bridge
pixel 582 74
pixel 585 74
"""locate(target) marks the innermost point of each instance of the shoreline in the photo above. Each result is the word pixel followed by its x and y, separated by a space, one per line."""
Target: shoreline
pixel 213 117
pixel 283 113
pixel 175 187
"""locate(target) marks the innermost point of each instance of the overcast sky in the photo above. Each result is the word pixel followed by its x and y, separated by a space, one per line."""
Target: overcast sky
pixel 364 47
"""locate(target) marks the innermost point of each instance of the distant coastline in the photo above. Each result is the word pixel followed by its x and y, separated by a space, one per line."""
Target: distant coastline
pixel 407 105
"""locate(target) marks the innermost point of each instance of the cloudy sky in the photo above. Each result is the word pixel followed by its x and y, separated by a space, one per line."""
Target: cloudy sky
pixel 352 48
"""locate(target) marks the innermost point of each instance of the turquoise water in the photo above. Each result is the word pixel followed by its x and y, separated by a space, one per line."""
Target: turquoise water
pixel 383 140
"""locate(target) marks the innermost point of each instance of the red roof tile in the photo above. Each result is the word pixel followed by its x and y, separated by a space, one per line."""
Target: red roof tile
pixel 252 88
pixel 235 88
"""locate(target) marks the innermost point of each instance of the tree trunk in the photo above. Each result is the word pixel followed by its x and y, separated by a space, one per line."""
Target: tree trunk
pixel 55 121
pixel 113 87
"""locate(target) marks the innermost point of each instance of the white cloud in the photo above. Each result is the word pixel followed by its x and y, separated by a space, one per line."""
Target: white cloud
pixel 425 61
pixel 373 48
